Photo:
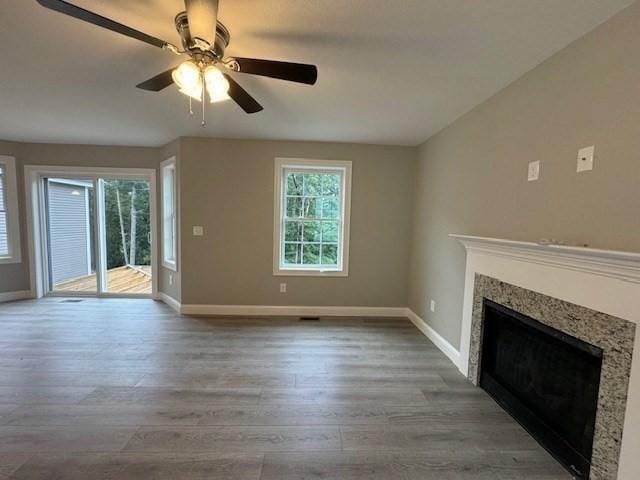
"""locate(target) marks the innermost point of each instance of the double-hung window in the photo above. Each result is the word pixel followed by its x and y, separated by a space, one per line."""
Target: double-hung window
pixel 9 223
pixel 312 206
pixel 169 218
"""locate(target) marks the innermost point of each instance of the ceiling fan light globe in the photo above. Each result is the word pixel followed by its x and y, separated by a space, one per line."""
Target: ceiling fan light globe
pixel 216 97
pixel 217 85
pixel 195 93
pixel 189 79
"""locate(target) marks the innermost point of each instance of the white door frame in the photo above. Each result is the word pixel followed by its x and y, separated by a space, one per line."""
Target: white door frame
pixel 33 175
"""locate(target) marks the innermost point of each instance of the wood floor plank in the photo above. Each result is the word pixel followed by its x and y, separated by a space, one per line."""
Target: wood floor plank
pixel 171 396
pixel 343 395
pixel 427 465
pixel 213 380
pixel 121 466
pixel 68 379
pixel 43 395
pixel 7 408
pixel 63 439
pixel 103 415
pixel 427 381
pixel 451 413
pixel 102 366
pixel 234 439
pixel 439 436
pixel 289 415
pixel 10 462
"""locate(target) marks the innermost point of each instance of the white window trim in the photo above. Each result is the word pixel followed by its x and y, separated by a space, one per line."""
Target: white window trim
pixel 13 212
pixel 170 164
pixel 278 219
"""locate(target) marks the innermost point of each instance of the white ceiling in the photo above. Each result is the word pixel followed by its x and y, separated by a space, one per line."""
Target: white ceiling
pixel 390 72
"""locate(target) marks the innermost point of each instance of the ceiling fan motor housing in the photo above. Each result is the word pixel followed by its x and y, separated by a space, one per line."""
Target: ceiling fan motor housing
pixel 197 47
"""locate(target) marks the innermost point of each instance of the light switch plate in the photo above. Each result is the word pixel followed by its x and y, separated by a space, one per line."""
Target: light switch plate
pixel 534 171
pixel 585 159
pixel 283 288
pixel 198 231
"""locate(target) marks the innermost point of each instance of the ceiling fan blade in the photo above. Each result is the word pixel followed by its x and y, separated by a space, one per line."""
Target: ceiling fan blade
pixel 241 97
pixel 203 16
pixel 157 83
pixel 100 21
pixel 293 72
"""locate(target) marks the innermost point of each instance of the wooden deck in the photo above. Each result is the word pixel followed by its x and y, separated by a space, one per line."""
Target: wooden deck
pixel 125 279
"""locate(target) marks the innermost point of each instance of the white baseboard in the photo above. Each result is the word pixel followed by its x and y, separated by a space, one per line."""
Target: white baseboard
pixel 13 296
pixel 170 301
pixel 294 311
pixel 281 310
pixel 435 337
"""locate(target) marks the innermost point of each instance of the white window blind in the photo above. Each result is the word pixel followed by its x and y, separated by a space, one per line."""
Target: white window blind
pixel 9 223
pixel 4 232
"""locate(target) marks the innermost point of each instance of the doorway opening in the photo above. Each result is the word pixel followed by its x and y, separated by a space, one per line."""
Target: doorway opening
pixel 94 231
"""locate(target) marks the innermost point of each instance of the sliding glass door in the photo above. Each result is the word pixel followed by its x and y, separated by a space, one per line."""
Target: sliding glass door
pixel 97 235
pixel 127 236
pixel 70 234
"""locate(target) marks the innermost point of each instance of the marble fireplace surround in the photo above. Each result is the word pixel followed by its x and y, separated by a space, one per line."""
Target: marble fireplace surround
pixel 590 294
pixel 613 335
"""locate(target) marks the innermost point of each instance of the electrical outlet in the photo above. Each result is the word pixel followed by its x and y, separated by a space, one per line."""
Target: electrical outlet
pixel 283 288
pixel 432 305
pixel 198 231
pixel 170 279
pixel 585 159
pixel 534 171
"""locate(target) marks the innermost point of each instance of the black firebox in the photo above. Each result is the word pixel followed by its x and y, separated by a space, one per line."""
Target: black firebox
pixel 547 380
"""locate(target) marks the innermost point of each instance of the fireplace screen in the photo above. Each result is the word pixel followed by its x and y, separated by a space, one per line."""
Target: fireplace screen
pixel 547 380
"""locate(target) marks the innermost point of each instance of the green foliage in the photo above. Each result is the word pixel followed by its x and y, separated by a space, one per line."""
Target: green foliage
pixel 115 251
pixel 312 219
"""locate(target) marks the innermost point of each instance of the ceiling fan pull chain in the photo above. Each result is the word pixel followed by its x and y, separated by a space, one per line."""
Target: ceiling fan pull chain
pixel 204 123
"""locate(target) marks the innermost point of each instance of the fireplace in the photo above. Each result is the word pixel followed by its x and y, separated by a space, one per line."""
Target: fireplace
pixel 585 294
pixel 538 332
pixel 546 379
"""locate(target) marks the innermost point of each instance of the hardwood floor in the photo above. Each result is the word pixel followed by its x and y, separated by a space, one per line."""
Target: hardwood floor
pixel 126 389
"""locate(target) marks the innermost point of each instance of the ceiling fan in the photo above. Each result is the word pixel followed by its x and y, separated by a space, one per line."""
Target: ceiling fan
pixel 204 40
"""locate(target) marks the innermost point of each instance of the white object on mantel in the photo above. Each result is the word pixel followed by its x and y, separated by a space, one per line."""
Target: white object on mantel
pixel 607 281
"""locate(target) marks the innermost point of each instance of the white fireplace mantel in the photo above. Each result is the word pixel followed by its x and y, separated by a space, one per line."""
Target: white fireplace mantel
pixel 603 280
pixel 610 263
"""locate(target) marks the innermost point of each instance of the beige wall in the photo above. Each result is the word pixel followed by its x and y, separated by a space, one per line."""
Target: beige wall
pixel 15 277
pixel 471 177
pixel 227 187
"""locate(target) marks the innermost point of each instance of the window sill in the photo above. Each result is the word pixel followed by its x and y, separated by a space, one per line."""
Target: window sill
pixel 310 273
pixel 10 260
pixel 173 266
